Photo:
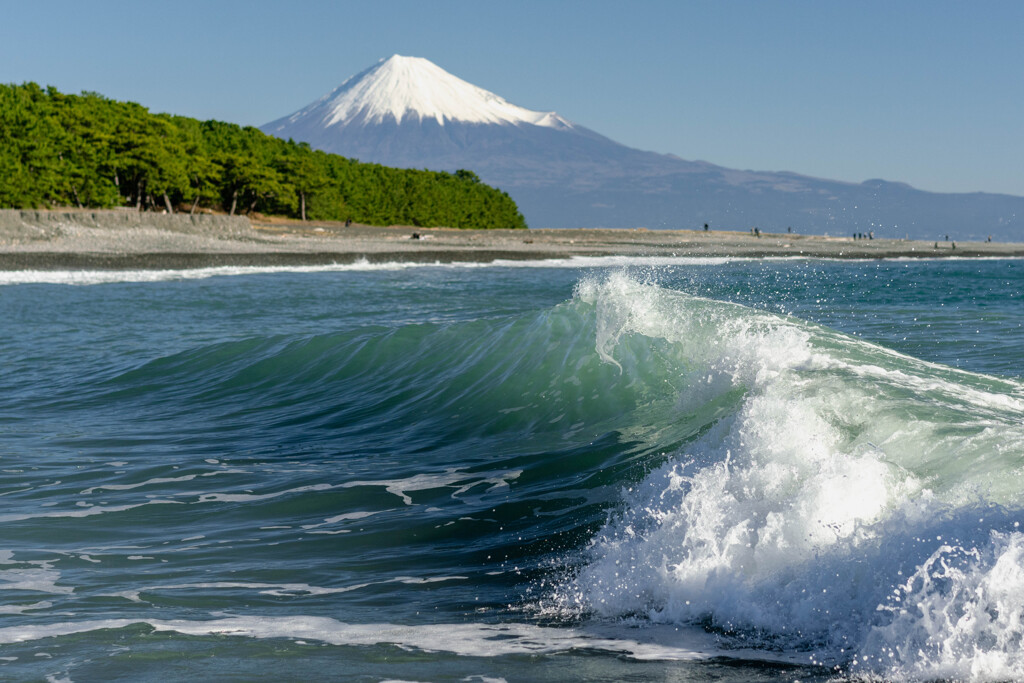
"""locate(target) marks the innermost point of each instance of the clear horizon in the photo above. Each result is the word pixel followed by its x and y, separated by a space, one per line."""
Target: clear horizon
pixel 926 93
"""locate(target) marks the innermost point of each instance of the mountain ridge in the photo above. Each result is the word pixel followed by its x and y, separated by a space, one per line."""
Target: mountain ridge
pixel 562 174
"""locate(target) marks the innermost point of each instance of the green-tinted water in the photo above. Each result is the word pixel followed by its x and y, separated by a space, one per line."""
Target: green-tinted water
pixel 528 473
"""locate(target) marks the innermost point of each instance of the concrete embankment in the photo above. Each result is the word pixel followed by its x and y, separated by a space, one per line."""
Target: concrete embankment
pixel 20 226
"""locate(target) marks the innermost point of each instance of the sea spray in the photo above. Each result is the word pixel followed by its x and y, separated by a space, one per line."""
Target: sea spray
pixel 829 491
pixel 958 616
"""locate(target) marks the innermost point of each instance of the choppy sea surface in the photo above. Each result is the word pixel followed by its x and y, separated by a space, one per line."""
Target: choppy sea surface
pixel 645 470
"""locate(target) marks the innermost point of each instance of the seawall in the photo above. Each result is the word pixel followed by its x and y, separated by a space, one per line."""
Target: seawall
pixel 18 225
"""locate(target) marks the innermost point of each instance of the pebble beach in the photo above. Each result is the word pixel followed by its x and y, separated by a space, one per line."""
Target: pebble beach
pixel 52 240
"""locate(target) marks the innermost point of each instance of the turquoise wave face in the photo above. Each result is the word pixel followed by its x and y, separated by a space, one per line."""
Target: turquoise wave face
pixel 740 460
pixel 840 499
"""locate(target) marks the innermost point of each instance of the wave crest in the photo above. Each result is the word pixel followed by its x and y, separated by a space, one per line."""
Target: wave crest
pixel 834 475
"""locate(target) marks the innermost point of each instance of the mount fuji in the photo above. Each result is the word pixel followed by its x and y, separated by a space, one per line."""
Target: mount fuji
pixel 410 113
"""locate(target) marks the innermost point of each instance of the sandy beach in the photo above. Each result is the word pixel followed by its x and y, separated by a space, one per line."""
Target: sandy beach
pixel 81 240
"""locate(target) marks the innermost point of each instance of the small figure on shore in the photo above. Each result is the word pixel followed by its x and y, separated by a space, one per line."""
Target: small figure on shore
pixel 989 238
pixel 789 229
pixel 348 222
pixel 936 245
pixel 947 238
pixel 954 245
pixel 705 227
pixel 757 233
pixel 415 236
pixel 871 234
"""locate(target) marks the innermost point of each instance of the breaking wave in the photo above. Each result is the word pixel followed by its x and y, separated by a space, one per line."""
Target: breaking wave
pixel 836 499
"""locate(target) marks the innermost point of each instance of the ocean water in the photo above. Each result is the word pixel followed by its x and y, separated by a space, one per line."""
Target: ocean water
pixel 644 470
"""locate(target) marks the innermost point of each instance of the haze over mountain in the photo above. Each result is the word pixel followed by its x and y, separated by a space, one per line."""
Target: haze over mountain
pixel 408 112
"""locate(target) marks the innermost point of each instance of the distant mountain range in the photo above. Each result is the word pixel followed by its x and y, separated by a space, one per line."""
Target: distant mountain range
pixel 408 112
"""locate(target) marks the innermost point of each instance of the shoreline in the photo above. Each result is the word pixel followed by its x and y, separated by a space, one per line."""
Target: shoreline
pixel 126 240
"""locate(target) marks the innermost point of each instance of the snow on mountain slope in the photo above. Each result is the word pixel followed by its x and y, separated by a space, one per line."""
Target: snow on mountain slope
pixel 415 88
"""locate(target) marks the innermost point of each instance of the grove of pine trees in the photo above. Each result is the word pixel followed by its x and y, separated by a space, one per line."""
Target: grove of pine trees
pixel 87 151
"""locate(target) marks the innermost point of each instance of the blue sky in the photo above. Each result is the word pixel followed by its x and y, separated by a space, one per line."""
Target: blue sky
pixel 930 93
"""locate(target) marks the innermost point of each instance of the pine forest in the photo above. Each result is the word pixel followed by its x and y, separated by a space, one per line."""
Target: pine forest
pixel 88 151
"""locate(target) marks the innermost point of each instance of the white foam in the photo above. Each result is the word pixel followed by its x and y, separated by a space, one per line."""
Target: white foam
pixel 790 519
pixel 449 478
pixel 349 516
pixel 252 497
pixel 275 589
pixel 99 277
pixel 617 261
pixel 960 616
pixel 281 589
pixel 85 510
pixel 148 482
pixel 462 639
pixel 38 577
pixel 22 609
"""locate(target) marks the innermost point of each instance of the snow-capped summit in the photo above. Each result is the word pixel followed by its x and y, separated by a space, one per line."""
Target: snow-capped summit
pixel 412 88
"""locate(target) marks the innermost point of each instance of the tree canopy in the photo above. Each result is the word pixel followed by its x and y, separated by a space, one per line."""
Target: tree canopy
pixel 90 151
